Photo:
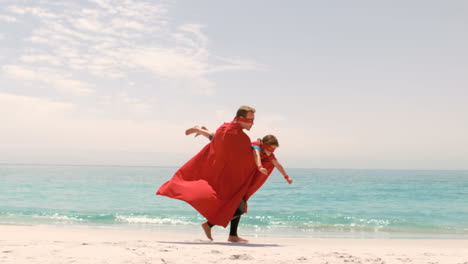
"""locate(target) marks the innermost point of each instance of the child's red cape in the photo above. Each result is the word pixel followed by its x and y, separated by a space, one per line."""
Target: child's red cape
pixel 260 178
pixel 216 179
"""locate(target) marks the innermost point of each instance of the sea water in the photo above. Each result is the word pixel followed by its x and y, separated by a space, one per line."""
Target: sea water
pixel 320 202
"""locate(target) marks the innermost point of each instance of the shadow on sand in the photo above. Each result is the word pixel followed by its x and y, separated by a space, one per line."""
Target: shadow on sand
pixel 202 242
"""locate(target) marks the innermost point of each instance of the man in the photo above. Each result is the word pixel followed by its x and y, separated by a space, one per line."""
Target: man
pixel 215 180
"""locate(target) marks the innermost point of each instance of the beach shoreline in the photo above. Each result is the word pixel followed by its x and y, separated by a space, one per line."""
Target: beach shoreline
pixel 49 244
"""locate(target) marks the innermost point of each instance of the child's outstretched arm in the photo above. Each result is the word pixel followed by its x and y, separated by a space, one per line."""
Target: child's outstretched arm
pixel 199 131
pixel 281 169
pixel 258 161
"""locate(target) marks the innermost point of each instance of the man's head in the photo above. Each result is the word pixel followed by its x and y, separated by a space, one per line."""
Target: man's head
pixel 245 116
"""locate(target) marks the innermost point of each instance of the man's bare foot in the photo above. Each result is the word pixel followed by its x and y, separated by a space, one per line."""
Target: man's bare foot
pixel 237 239
pixel 207 230
pixel 192 130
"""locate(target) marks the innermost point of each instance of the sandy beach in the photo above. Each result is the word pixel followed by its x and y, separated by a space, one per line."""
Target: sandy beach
pixel 39 244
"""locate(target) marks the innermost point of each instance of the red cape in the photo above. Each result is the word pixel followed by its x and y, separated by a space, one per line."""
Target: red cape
pixel 216 179
pixel 260 178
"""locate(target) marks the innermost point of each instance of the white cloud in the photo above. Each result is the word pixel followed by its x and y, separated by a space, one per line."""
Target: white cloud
pixel 195 30
pixel 39 12
pixel 8 19
pixel 17 10
pixel 168 63
pixel 57 79
pixel 21 114
pixel 110 39
pixel 89 24
pixel 127 24
pixel 107 49
pixel 103 3
pixel 230 64
pixel 37 124
pixel 51 60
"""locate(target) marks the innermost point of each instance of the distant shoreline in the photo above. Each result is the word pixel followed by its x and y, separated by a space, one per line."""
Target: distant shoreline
pixel 249 232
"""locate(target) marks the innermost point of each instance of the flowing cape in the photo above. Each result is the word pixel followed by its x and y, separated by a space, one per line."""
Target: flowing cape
pixel 216 179
pixel 260 178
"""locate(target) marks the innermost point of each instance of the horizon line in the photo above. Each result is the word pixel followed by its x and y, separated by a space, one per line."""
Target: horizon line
pixel 177 166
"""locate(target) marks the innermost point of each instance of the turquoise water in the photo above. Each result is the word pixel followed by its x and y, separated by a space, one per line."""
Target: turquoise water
pixel 320 203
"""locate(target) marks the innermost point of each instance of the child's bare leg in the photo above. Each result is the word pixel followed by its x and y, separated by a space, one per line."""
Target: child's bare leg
pixel 195 129
pixel 199 131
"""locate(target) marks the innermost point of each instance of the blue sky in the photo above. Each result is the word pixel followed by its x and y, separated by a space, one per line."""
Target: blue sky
pixel 342 84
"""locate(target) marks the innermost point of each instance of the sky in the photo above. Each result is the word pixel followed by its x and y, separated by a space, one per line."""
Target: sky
pixel 342 84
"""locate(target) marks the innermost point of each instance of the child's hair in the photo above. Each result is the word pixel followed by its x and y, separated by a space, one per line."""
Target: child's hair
pixel 244 110
pixel 270 140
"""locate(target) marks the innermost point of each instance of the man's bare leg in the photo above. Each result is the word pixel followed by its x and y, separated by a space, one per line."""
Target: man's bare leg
pixel 207 230
pixel 237 239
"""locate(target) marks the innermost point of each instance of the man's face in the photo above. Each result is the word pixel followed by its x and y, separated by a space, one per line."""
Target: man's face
pixel 247 126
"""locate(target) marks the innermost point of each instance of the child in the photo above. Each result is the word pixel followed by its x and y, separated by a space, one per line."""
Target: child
pixel 262 148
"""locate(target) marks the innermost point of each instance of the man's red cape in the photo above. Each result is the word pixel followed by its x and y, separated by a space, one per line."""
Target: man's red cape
pixel 216 179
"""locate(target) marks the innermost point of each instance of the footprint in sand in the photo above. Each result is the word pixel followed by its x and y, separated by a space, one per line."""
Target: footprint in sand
pixel 405 259
pixel 375 261
pixel 241 257
pixel 347 257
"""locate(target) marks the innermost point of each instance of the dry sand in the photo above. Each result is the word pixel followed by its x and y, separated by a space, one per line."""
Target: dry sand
pixel 37 244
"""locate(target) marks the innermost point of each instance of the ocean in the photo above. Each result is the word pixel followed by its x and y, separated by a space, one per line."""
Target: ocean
pixel 345 203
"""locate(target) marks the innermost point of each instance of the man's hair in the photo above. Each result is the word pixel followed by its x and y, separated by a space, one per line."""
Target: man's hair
pixel 270 140
pixel 244 110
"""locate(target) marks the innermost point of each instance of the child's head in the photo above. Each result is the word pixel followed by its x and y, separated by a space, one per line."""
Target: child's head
pixel 270 140
pixel 270 143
